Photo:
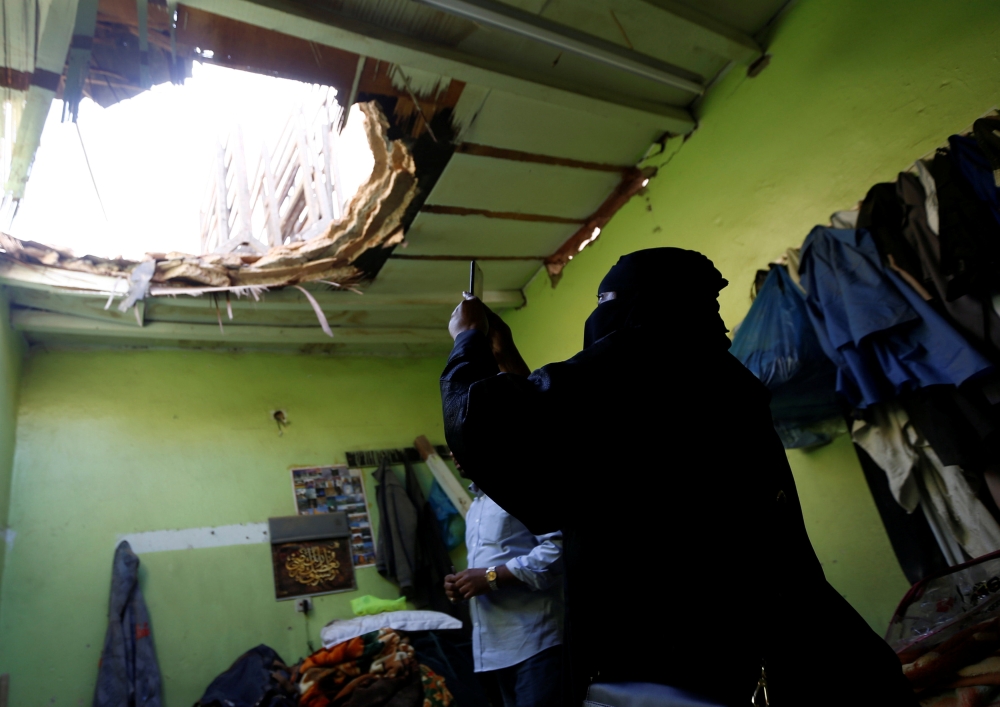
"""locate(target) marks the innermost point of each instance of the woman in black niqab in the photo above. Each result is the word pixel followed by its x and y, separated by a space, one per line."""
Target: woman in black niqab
pixel 687 558
pixel 671 289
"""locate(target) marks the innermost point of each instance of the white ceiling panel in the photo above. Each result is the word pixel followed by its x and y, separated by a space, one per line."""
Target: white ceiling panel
pixel 518 123
pixel 522 187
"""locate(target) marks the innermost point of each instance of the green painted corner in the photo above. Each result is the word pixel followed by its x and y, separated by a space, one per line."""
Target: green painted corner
pixel 12 351
pixel 854 93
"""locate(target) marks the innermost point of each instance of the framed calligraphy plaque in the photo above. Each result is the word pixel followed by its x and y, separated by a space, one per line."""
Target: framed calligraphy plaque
pixel 311 555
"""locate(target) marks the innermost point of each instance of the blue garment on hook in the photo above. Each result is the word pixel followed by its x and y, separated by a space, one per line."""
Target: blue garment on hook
pixel 128 675
pixel 882 336
pixel 776 341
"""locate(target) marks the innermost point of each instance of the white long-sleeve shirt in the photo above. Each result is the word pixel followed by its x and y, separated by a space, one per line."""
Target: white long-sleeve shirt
pixel 513 623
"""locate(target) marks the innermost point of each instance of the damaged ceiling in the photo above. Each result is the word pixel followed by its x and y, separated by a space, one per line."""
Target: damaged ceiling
pixel 513 133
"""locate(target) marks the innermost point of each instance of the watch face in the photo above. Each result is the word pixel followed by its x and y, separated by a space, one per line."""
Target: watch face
pixel 491 576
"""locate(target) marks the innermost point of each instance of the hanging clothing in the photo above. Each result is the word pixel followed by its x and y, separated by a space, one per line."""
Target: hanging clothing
pixel 433 562
pixel 777 343
pixel 882 216
pixel 409 549
pixel 128 675
pixel 396 546
pixel 844 219
pixel 970 236
pixel 975 317
pixel 977 170
pixel 930 197
pixel 986 131
pixel 917 478
pixel 882 336
pixel 910 535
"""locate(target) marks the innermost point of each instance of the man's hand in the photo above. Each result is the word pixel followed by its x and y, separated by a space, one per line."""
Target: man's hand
pixel 472 582
pixel 469 314
pixel 466 584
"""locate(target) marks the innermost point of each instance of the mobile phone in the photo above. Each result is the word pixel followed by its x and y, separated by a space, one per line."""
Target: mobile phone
pixel 475 280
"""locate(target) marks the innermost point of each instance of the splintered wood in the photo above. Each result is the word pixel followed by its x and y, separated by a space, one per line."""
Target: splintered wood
pixel 372 219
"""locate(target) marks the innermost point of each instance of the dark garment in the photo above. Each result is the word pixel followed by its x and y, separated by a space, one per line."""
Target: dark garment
pixel 715 531
pixel 433 561
pixel 973 316
pixel 970 236
pixel 986 131
pixel 535 682
pixel 410 550
pixel 884 338
pixel 128 675
pixel 882 215
pixel 396 547
pixel 977 170
pixel 258 678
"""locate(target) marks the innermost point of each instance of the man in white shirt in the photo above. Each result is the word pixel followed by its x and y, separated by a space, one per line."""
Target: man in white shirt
pixel 514 587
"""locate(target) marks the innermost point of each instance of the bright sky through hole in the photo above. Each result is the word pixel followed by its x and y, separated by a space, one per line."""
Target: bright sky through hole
pixel 152 158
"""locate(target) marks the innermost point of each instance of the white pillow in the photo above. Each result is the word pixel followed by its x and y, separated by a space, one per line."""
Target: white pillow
pixel 340 630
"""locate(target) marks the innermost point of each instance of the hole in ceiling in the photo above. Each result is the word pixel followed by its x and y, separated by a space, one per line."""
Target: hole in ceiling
pixel 154 161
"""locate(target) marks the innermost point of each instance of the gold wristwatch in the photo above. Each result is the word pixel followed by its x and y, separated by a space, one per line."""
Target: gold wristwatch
pixel 491 578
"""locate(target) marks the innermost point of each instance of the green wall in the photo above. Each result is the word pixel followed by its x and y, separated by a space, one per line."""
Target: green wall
pixel 110 443
pixel 11 355
pixel 856 90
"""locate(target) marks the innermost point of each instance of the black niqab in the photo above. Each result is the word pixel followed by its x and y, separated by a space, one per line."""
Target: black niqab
pixel 672 289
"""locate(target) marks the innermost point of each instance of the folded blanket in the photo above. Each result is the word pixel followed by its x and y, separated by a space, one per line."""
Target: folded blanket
pixel 377 669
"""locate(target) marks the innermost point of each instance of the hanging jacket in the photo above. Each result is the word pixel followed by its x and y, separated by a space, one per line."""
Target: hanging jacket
pixel 986 131
pixel 396 549
pixel 433 562
pixel 977 170
pixel 128 675
pixel 410 551
pixel 975 317
pixel 882 336
pixel 970 235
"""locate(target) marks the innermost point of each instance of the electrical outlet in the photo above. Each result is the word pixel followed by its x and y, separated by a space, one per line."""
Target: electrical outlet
pixel 304 606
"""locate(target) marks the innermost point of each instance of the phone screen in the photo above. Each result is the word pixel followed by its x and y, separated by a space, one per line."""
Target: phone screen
pixel 476 279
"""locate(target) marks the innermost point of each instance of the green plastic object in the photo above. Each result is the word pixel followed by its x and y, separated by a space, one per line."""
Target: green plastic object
pixel 368 605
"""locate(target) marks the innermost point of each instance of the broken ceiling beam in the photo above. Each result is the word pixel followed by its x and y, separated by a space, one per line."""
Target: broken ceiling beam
pixel 337 31
pixel 35 322
pixel 710 34
pixel 567 39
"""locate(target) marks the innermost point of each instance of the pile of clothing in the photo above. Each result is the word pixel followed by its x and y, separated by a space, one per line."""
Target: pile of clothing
pixel 368 661
pixel 888 319
pixel 377 668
